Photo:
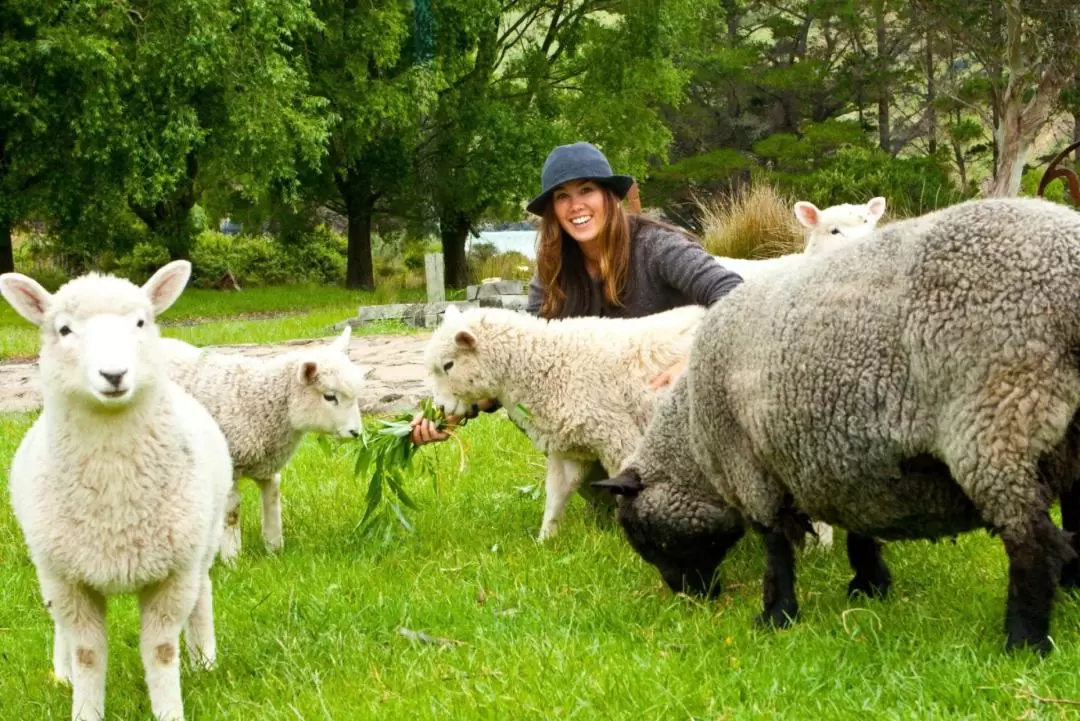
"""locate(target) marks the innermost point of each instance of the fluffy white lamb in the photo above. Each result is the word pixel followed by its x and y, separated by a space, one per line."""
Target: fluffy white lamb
pixel 578 387
pixel 265 406
pixel 828 228
pixel 120 484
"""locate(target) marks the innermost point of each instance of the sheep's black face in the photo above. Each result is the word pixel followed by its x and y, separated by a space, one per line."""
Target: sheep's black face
pixel 684 535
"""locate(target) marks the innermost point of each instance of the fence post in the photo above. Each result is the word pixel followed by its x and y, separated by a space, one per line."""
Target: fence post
pixel 433 277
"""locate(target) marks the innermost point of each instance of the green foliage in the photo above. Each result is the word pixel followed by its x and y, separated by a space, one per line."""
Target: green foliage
pixel 911 185
pixel 317 257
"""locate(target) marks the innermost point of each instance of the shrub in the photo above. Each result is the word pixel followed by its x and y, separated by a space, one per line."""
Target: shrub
pixel 911 185
pixel 756 221
pixel 318 256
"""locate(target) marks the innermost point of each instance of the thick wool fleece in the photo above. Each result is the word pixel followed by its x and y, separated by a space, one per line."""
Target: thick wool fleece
pixel 120 500
pixel 583 382
pixel 915 384
pixel 264 407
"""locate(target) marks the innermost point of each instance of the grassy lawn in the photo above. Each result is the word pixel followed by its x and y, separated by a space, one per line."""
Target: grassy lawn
pixel 254 315
pixel 577 628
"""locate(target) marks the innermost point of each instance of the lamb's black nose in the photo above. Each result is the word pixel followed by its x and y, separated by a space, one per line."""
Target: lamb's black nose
pixel 114 377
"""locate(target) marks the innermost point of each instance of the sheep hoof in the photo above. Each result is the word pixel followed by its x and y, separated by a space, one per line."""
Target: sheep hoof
pixel 870 587
pixel 776 618
pixel 1020 640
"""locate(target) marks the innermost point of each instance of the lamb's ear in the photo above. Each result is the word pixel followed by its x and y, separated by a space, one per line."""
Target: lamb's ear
pixel 876 207
pixel 465 339
pixel 341 343
pixel 451 313
pixel 26 296
pixel 308 372
pixel 166 285
pixel 625 484
pixel 807 213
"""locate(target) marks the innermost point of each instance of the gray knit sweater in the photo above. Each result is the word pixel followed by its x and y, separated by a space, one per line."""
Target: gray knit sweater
pixel 667 270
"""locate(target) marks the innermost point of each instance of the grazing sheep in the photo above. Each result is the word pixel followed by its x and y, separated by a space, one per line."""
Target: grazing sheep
pixel 926 385
pixel 829 228
pixel 265 406
pixel 120 484
pixel 578 387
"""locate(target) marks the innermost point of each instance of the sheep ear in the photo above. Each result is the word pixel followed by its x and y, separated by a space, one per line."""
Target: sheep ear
pixel 807 214
pixel 308 372
pixel 876 207
pixel 465 339
pixel 26 296
pixel 451 313
pixel 166 285
pixel 341 343
pixel 625 484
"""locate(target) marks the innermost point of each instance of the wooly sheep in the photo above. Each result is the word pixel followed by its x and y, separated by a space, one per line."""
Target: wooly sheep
pixel 265 406
pixel 828 228
pixel 926 385
pixel 578 387
pixel 120 484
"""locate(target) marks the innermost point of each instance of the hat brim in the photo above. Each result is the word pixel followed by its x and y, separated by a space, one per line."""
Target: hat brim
pixel 619 184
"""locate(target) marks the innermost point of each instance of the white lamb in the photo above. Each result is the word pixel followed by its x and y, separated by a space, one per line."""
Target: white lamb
pixel 120 484
pixel 579 387
pixel 828 228
pixel 265 406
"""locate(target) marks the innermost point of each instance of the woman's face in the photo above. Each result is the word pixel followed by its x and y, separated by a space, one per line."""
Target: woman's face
pixel 580 209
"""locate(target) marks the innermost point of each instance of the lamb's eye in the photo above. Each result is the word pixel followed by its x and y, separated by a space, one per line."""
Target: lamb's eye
pixel 64 330
pixel 447 366
pixel 330 397
pixel 835 231
pixel 141 323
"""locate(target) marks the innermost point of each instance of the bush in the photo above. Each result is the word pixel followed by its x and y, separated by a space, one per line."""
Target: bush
pixel 145 258
pixel 318 256
pixel 757 221
pixel 911 185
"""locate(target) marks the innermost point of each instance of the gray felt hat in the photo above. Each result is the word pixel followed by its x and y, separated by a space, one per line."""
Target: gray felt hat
pixel 577 161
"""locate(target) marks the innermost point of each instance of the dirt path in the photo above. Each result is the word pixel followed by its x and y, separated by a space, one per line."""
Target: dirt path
pixel 395 383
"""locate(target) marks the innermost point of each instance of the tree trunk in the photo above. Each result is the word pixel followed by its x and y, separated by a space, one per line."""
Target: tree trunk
pixel 884 139
pixel 1012 153
pixel 7 251
pixel 1076 132
pixel 169 219
pixel 931 94
pixel 356 192
pixel 454 231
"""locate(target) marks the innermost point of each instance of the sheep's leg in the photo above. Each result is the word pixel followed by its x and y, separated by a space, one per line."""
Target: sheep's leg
pixel 79 613
pixel 61 642
pixel 163 609
pixel 779 606
pixel 270 491
pixel 563 478
pixel 199 630
pixel 1070 521
pixel 872 578
pixel 230 539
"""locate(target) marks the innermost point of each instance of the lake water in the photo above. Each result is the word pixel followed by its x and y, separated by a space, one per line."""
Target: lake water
pixel 523 241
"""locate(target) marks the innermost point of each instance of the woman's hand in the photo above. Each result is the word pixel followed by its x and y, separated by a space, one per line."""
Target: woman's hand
pixel 669 376
pixel 424 430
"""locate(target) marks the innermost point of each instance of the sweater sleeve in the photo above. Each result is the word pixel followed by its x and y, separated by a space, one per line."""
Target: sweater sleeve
pixel 536 296
pixel 688 267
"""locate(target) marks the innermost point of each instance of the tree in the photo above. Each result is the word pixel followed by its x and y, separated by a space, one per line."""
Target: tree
pixel 363 60
pixel 1028 51
pixel 51 57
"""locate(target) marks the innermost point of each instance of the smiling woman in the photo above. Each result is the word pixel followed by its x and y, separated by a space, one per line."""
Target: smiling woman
pixel 595 259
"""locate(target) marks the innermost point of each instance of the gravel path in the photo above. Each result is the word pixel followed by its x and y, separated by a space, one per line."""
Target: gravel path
pixel 396 381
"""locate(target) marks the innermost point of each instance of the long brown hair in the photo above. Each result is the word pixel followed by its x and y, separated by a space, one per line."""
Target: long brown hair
pixel 560 264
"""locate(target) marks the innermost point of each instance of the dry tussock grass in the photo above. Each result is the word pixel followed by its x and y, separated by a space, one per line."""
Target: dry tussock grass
pixel 757 221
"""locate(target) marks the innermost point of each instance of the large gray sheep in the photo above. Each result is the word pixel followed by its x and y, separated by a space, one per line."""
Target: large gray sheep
pixel 926 385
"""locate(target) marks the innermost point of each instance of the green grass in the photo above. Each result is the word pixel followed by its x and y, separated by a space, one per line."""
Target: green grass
pixel 577 628
pixel 254 315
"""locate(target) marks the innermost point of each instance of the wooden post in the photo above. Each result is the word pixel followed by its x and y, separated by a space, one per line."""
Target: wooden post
pixel 434 277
